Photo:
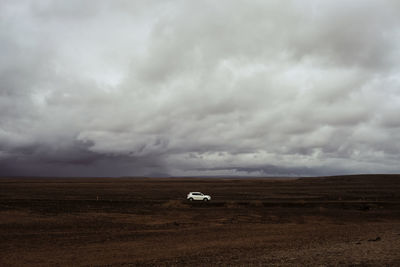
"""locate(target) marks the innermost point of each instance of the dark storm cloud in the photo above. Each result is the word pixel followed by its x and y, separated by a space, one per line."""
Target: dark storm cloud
pixel 199 88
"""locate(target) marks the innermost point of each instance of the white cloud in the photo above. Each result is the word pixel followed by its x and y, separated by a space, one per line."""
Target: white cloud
pixel 227 87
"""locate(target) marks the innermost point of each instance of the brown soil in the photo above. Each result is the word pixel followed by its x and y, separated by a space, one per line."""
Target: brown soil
pixel 335 221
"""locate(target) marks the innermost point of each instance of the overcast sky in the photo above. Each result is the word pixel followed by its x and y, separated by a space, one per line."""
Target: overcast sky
pixel 179 88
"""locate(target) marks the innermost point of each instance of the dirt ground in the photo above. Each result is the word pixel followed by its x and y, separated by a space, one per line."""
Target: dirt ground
pixel 334 221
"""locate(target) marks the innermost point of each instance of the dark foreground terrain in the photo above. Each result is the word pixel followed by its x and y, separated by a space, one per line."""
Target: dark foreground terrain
pixel 335 221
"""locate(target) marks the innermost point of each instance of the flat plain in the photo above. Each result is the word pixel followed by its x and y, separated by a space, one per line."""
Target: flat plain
pixel 321 221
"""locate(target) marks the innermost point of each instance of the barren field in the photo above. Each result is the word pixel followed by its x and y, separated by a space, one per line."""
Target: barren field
pixel 334 221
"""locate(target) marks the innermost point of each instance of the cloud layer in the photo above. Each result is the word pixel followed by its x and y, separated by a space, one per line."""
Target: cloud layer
pixel 112 88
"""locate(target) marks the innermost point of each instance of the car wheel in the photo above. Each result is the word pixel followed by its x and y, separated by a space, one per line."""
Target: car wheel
pixel 205 200
pixel 190 199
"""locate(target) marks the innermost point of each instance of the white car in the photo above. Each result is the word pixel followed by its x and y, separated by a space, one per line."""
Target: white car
pixel 198 196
